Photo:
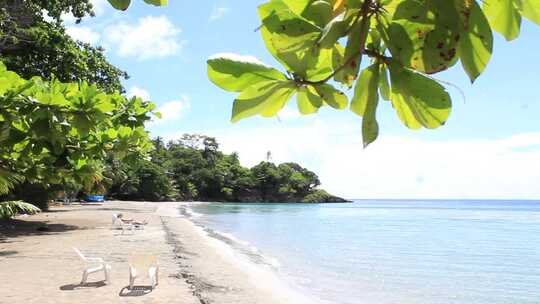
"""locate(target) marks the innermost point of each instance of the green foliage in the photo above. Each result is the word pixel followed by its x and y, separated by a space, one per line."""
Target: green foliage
pixel 54 132
pixel 33 46
pixel 193 168
pixel 49 51
pixel 154 185
pixel 9 209
pixel 324 44
pixel 321 196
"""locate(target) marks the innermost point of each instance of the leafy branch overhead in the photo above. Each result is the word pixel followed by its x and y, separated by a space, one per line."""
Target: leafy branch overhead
pixel 324 47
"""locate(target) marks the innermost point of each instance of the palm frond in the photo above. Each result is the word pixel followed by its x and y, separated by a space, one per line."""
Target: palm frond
pixel 9 209
pixel 8 180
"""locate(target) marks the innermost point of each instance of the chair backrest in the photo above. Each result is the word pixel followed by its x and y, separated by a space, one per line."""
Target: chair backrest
pixel 114 218
pixel 143 261
pixel 79 253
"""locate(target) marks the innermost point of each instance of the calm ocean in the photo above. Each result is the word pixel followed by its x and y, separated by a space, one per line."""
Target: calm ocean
pixel 387 251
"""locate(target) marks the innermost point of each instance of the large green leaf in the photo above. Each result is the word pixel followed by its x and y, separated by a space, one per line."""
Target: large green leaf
pixel 418 100
pixel 476 42
pixel 318 12
pixel 365 90
pixel 384 87
pixel 423 34
pixel 333 31
pixel 365 101
pixel 331 96
pixel 120 4
pixel 503 17
pixel 530 9
pixel 292 40
pixel 157 2
pixel 353 52
pixel 236 73
pixel 308 100
pixel 264 98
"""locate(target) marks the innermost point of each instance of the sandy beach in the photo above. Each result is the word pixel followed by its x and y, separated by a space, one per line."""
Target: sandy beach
pixel 38 264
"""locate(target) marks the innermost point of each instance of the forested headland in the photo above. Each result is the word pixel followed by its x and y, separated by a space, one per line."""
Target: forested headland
pixel 194 169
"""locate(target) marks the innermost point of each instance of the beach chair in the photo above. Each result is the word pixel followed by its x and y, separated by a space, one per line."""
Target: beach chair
pixel 101 266
pixel 141 264
pixel 125 226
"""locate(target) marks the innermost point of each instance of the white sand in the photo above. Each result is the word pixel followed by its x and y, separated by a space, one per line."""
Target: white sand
pixel 41 267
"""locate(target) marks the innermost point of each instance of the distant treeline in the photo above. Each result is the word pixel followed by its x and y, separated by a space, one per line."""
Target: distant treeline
pixel 194 169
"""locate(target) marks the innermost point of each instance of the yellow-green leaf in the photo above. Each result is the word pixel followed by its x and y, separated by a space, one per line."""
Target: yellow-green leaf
pixel 365 101
pixel 264 98
pixel 334 98
pixel 503 17
pixel 235 73
pixel 384 87
pixel 530 9
pixel 156 2
pixel 476 42
pixel 418 100
pixel 365 89
pixel 308 100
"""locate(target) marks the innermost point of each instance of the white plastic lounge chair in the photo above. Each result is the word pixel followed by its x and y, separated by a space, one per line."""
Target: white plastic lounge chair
pixel 115 219
pixel 125 226
pixel 102 266
pixel 139 264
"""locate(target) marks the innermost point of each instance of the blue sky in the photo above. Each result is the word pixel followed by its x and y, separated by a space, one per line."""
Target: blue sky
pixel 489 148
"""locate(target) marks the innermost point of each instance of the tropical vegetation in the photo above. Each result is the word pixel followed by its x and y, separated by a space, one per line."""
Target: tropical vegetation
pixel 54 134
pixel 193 168
pixel 9 209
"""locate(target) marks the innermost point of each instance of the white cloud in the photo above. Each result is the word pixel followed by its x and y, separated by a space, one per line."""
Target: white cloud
pixel 149 37
pixel 139 92
pixel 395 167
pixel 237 57
pixel 218 13
pixel 289 113
pixel 172 111
pixel 100 6
pixel 83 33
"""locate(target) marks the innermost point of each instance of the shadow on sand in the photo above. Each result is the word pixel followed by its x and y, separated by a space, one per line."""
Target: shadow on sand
pixel 7 252
pixel 83 286
pixel 14 227
pixel 137 291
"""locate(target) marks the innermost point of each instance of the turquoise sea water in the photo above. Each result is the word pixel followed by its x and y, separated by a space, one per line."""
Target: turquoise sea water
pixel 379 251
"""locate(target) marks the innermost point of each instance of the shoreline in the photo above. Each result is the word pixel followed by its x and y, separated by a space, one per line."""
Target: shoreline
pixel 231 277
pixel 39 265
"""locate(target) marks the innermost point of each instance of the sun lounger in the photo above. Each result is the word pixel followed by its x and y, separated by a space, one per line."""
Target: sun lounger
pixel 141 264
pixel 127 224
pixel 98 265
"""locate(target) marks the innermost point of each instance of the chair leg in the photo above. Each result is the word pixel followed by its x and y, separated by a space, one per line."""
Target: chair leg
pixel 107 269
pixel 131 282
pixel 84 277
